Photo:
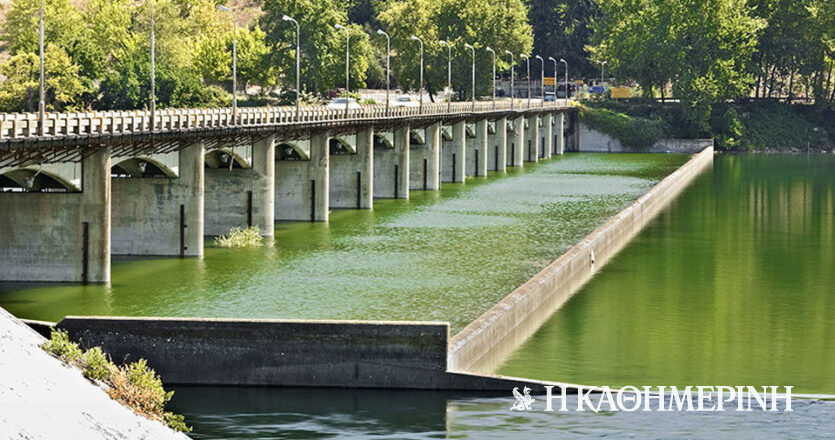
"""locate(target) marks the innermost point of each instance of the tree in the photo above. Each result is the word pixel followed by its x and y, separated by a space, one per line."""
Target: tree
pixel 563 29
pixel 701 47
pixel 20 90
pixel 501 25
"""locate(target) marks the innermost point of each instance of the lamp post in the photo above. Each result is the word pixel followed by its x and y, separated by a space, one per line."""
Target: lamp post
pixel 488 49
pixel 388 66
pixel 602 69
pixel 416 38
pixel 528 60
pixel 473 49
pixel 542 79
pixel 448 74
pixel 566 80
pixel 234 64
pixel 512 65
pixel 41 102
pixel 153 71
pixel 347 65
pixel 555 78
pixel 298 62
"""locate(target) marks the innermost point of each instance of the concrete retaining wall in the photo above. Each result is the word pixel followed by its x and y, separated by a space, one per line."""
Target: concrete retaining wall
pixel 355 354
pixel 593 141
pixel 487 341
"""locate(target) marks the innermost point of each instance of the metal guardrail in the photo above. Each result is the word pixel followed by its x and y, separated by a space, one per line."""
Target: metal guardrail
pixel 58 125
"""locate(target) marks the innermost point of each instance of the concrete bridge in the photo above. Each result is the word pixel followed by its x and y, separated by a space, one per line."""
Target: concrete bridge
pixel 88 185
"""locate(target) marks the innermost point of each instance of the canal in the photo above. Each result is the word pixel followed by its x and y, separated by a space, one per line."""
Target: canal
pixel 441 256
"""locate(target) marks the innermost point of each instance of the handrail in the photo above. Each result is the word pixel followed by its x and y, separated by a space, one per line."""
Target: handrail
pixel 119 122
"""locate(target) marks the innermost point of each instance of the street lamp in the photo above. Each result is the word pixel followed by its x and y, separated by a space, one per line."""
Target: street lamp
pixel 488 49
pixel 512 65
pixel 234 64
pixel 566 80
pixel 388 66
pixel 347 64
pixel 473 49
pixel 286 17
pixel 448 74
pixel 416 38
pixel 528 60
pixel 602 69
pixel 542 79
pixel 41 103
pixel 153 71
pixel 555 78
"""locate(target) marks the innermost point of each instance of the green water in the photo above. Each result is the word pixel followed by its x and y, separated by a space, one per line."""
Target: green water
pixel 443 256
pixel 732 285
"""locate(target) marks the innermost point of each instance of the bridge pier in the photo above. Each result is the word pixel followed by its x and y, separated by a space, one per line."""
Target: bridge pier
pixel 559 134
pixel 302 183
pixel 391 168
pixel 547 135
pixel 352 173
pixel 425 160
pixel 455 154
pixel 477 149
pixel 497 147
pixel 518 145
pixel 532 147
pixel 242 197
pixel 161 215
pixel 61 237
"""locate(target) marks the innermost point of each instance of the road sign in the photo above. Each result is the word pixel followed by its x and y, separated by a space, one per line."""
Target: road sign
pixel 579 82
pixel 550 81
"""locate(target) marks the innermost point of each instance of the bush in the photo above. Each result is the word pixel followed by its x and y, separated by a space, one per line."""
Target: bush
pixel 134 385
pixel 237 237
pixel 635 132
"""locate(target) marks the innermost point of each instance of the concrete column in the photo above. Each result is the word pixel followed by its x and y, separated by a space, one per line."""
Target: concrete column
pixel 191 175
pixel 433 143
pixel 401 149
pixel 501 137
pixel 548 134
pixel 263 195
pixel 365 154
pixel 481 147
pixel 95 213
pixel 319 159
pixel 519 145
pixel 531 150
pixel 559 132
pixel 459 141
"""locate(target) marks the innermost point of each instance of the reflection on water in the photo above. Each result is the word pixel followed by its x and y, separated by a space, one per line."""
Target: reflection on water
pixel 441 256
pixel 282 413
pixel 732 285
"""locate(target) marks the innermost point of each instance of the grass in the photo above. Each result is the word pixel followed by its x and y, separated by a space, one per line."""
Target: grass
pixel 238 238
pixel 134 385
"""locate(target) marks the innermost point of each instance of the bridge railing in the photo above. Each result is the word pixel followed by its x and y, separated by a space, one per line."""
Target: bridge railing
pixel 57 125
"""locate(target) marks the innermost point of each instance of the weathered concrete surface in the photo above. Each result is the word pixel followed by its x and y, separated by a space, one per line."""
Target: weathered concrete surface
pixel 559 134
pixel 352 175
pixel 241 197
pixel 355 354
pixel 454 154
pixel 302 186
pixel 41 398
pixel 497 147
pixel 161 216
pixel 42 234
pixel 425 159
pixel 547 135
pixel 532 146
pixel 518 144
pixel 391 167
pixel 593 141
pixel 485 343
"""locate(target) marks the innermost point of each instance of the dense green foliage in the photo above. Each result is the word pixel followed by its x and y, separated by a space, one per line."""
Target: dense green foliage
pixel 633 131
pixel 135 384
pixel 563 29
pixel 239 237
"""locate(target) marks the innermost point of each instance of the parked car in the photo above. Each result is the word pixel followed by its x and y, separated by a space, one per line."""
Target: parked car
pixel 405 101
pixel 339 103
pixel 549 97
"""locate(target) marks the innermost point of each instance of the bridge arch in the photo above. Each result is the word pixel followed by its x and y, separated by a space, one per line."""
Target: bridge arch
pixel 290 151
pixel 225 158
pixel 339 146
pixel 382 142
pixel 35 180
pixel 138 167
